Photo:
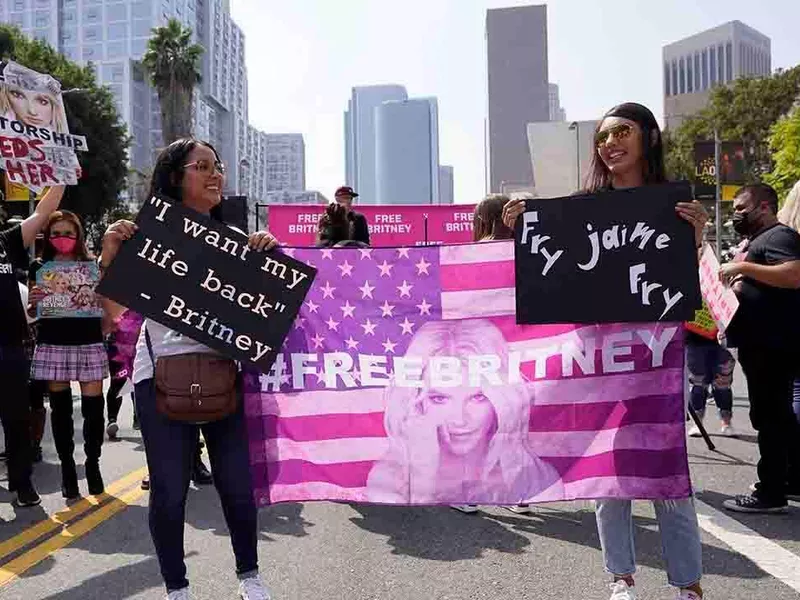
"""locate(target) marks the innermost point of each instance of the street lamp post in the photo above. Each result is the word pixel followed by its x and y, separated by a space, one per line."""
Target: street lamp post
pixel 576 126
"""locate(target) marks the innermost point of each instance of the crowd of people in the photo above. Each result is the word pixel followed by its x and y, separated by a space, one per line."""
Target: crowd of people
pixel 49 356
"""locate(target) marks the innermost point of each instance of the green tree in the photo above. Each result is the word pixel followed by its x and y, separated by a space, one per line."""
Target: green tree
pixel 784 143
pixel 172 63
pixel 91 112
pixel 743 111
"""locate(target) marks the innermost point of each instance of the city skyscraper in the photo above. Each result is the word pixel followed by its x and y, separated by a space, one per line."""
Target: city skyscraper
pixel 113 37
pixel 557 113
pixel 359 136
pixel 692 66
pixel 446 185
pixel 285 162
pixel 518 92
pixel 407 151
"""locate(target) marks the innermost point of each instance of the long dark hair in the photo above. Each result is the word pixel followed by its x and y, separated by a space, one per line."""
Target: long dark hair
pixel 169 170
pixel 487 219
pixel 81 251
pixel 653 169
pixel 334 226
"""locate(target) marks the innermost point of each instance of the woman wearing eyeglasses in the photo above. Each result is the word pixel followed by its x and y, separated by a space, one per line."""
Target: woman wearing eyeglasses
pixel 189 171
pixel 629 153
pixel 69 349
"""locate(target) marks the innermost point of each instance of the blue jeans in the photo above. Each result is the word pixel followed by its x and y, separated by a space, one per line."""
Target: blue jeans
pixel 170 447
pixel 680 538
pixel 710 364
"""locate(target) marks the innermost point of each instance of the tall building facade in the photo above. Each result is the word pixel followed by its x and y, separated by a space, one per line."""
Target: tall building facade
pixel 718 56
pixel 446 185
pixel 359 137
pixel 407 152
pixel 285 162
pixel 112 35
pixel 518 92
pixel 557 113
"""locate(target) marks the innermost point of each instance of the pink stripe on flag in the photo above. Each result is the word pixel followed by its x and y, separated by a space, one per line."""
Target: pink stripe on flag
pixel 477 253
pixel 478 276
pixel 479 303
pixel 605 415
pixel 324 427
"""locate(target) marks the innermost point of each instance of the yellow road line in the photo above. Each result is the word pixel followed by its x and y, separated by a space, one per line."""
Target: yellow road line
pixel 68 534
pixel 62 517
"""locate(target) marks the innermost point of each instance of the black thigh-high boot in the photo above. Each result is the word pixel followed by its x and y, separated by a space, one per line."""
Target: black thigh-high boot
pixel 63 433
pixel 93 429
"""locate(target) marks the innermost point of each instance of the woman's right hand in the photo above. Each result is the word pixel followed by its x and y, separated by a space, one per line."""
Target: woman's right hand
pixel 115 235
pixel 512 210
pixel 35 295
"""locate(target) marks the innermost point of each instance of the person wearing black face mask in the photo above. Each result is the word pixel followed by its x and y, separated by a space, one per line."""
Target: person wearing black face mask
pixel 766 330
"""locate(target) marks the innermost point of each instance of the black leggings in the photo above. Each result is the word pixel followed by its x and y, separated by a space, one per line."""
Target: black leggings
pixel 36 392
pixel 113 399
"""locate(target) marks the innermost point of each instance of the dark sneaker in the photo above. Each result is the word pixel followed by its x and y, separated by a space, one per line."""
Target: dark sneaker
pixel 27 496
pixel 111 429
pixel 753 504
pixel 793 493
pixel 201 474
pixel 146 482
pixel 136 425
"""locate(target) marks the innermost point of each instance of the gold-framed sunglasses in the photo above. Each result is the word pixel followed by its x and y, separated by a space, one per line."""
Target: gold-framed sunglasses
pixel 204 166
pixel 620 132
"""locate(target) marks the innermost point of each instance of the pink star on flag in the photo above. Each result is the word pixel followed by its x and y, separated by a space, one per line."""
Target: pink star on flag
pixel 299 323
pixel 386 269
pixel 369 327
pixel 422 266
pixel 312 307
pixel 347 310
pixel 351 343
pixel 388 346
pixel 402 252
pixel 327 291
pixel 387 309
pixel 332 325
pixel 346 268
pixel 424 308
pixel 365 253
pixel 405 289
pixel 318 340
pixel 327 253
pixel 366 290
pixel 406 326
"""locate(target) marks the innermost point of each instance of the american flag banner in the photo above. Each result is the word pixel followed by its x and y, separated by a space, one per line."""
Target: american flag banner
pixel 407 381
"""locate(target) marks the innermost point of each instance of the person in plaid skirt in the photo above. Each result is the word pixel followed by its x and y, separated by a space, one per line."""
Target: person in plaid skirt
pixel 70 349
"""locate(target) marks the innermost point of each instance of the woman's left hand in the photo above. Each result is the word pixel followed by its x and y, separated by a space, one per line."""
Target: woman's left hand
pixel 262 240
pixel 695 213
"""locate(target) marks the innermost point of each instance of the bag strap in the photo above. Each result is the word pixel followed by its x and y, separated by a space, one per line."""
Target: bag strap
pixel 149 348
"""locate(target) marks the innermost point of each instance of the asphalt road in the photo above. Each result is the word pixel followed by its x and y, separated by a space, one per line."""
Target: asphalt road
pixel 321 551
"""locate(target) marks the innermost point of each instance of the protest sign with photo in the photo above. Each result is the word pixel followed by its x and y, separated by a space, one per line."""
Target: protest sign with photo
pixel 70 288
pixel 721 300
pixel 407 381
pixel 36 147
pixel 619 256
pixel 200 278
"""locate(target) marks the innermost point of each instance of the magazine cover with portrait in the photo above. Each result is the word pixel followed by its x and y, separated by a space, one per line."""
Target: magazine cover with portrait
pixel 70 290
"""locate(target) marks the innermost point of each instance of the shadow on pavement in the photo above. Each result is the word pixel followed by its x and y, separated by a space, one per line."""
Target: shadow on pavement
pixel 773 527
pixel 437 533
pixel 123 582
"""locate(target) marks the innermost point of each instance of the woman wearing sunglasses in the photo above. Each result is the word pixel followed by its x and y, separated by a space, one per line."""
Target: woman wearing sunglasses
pixel 629 153
pixel 69 349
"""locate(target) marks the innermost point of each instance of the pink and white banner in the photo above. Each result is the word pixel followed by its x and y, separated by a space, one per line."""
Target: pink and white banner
pixel 296 225
pixel 721 300
pixel 407 381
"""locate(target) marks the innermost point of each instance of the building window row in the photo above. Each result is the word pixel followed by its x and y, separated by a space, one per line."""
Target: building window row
pixel 700 70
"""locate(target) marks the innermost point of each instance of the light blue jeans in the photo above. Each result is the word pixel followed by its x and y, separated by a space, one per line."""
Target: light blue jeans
pixel 680 538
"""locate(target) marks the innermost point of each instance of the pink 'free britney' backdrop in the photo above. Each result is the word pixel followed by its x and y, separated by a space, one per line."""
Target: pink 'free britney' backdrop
pixel 407 381
pixel 296 225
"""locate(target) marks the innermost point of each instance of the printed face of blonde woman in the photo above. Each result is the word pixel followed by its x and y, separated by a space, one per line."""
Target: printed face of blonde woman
pixel 60 284
pixel 31 107
pixel 465 418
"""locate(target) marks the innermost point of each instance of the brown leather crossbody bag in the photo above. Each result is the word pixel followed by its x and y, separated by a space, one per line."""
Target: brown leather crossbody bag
pixel 196 388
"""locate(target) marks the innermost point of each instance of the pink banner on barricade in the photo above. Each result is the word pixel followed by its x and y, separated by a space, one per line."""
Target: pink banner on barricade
pixel 407 381
pixel 389 226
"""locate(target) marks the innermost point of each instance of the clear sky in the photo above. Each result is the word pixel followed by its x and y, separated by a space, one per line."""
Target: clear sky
pixel 304 56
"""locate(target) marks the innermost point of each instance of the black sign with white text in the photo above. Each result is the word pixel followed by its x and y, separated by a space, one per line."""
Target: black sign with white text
pixel 200 278
pixel 612 257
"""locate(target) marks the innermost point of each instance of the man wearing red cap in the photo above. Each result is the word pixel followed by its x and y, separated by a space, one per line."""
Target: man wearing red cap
pixel 360 232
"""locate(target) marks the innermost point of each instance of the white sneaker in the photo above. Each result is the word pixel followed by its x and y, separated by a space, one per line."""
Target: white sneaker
pixel 620 590
pixel 181 594
pixel 688 595
pixel 520 509
pixel 253 589
pixel 694 431
pixel 465 508
pixel 727 430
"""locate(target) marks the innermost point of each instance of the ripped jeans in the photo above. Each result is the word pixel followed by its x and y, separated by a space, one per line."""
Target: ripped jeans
pixel 680 538
pixel 711 364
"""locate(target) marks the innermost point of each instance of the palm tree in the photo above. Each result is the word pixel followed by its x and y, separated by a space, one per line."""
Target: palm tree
pixel 172 63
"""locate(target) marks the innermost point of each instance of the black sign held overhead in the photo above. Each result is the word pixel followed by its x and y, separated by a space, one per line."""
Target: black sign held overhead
pixel 611 257
pixel 199 277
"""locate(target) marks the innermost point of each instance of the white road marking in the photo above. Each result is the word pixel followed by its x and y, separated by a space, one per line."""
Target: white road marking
pixel 769 556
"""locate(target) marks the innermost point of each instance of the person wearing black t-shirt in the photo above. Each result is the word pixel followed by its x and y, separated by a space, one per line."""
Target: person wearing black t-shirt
pixel 766 330
pixel 14 364
pixel 70 349
pixel 359 230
